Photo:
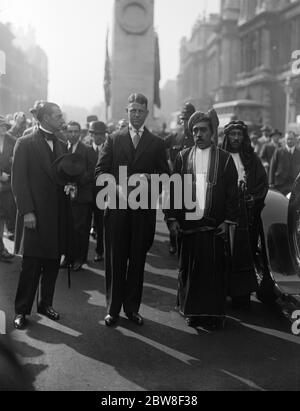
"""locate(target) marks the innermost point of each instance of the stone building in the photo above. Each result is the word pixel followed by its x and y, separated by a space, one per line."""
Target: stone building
pixel 246 60
pixel 26 78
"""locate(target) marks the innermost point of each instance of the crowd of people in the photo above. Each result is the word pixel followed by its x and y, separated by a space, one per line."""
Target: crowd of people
pixel 48 204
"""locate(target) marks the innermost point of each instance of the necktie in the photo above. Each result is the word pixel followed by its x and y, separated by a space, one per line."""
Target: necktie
pixel 136 139
pixel 49 137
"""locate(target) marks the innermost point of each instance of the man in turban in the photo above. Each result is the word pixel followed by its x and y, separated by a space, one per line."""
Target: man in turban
pixel 253 188
pixel 210 178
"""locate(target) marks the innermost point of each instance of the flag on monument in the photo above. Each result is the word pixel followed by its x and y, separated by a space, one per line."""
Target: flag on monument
pixel 107 76
pixel 157 73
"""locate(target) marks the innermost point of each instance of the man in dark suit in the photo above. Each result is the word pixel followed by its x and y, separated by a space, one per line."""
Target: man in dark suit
pixel 97 132
pixel 7 204
pixel 42 212
pixel 269 149
pixel 285 165
pixel 83 200
pixel 129 233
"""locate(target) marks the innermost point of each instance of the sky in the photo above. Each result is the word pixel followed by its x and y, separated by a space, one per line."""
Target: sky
pixel 72 33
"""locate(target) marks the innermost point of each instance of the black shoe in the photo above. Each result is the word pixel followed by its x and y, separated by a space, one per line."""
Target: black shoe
pixel 20 322
pixel 172 250
pixel 64 264
pixel 77 266
pixel 49 312
pixel 93 233
pixel 135 318
pixel 98 258
pixel 191 322
pixel 110 320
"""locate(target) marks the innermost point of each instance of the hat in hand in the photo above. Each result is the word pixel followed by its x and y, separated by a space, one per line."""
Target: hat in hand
pixel 68 168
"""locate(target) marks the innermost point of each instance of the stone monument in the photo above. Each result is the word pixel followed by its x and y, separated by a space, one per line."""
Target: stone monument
pixel 133 55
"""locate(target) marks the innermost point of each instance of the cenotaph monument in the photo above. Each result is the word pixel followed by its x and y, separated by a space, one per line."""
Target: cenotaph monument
pixel 133 54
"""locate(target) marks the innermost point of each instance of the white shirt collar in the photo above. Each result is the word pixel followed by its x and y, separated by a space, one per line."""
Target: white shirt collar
pixel 133 131
pixel 291 149
pixel 45 131
pixel 95 147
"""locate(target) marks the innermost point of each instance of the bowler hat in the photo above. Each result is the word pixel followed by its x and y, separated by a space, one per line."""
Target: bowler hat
pixel 97 127
pixel 68 168
pixel 275 132
pixel 187 111
pixel 4 122
pixel 37 105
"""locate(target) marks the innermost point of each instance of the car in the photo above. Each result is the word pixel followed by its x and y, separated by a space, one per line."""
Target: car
pixel 278 257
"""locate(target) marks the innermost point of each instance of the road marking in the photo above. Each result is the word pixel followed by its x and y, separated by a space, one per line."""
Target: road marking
pixel 59 327
pixel 274 333
pixel 244 381
pixel 186 359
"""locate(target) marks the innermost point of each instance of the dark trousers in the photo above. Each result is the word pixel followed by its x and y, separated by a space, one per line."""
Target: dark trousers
pixel 8 210
pixel 98 225
pixel 33 270
pixel 128 237
pixel 82 217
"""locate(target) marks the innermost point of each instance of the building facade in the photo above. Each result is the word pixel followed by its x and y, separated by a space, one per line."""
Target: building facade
pixel 247 61
pixel 26 78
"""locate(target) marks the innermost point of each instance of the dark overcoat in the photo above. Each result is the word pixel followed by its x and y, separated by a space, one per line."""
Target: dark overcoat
pixel 36 191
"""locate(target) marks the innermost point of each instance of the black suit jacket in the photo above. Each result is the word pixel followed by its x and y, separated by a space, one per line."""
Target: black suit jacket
pixel 148 158
pixel 118 150
pixel 284 167
pixel 36 191
pixel 6 160
pixel 86 183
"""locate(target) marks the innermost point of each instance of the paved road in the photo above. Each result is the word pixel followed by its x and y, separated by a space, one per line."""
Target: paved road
pixel 255 352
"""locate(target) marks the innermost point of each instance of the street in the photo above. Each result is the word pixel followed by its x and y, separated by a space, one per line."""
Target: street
pixel 256 352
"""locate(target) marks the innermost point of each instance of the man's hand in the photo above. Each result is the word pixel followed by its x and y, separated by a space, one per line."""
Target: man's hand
pixel 71 190
pixel 4 178
pixel 30 221
pixel 222 231
pixel 174 228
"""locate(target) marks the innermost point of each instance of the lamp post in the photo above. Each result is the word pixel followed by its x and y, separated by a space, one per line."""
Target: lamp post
pixel 288 91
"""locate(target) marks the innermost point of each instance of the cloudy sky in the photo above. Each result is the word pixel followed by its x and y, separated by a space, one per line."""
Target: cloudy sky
pixel 72 32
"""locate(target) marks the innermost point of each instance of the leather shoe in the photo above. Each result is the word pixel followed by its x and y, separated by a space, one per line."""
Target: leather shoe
pixel 135 318
pixel 20 322
pixel 77 267
pixel 98 258
pixel 93 233
pixel 172 250
pixel 110 320
pixel 64 264
pixel 50 313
